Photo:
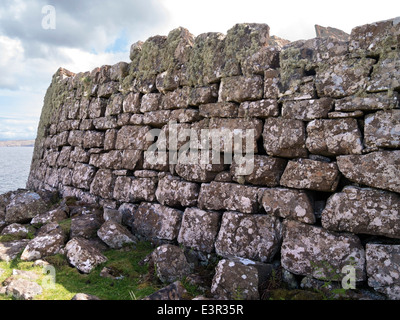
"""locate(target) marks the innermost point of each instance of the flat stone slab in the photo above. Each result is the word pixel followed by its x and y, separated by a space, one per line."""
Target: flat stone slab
pixel 363 211
pixel 379 169
pixel 313 251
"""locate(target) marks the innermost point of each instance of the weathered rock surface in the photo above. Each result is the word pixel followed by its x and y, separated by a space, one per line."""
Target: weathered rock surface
pixel 86 226
pixel 311 174
pixel 84 296
pixel 312 251
pixel 284 138
pixel 153 220
pixel 382 129
pixel 255 237
pixel 307 110
pixel 288 203
pixel 363 211
pixel 173 191
pixel 334 137
pixel 55 215
pixel 23 207
pixel 377 169
pixel 228 196
pixel 239 279
pixel 82 255
pixel 10 250
pixel 18 230
pixel 22 289
pixel 199 229
pixel 266 171
pixel 115 235
pixel 383 269
pixel 170 263
pixel 44 245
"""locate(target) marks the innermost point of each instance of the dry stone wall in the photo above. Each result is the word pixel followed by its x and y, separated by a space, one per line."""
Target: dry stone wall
pixel 324 118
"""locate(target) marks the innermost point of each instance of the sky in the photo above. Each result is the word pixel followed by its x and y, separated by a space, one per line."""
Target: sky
pixel 39 36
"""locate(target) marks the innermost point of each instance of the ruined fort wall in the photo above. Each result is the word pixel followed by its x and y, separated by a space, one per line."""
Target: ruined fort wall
pixel 323 120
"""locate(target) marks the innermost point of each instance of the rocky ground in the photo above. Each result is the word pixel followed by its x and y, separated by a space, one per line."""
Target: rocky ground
pixel 84 243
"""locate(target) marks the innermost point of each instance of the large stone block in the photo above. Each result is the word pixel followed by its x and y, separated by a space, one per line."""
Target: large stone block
pixel 129 189
pixel 382 129
pixel 199 229
pixel 343 78
pixel 307 110
pixel 386 74
pixel 133 138
pixel 311 174
pixel 155 221
pixel 241 88
pixel 288 204
pixel 334 137
pixel 377 169
pixel 313 251
pixel 83 175
pixel 173 191
pixel 255 237
pixel 369 102
pixel 228 196
pixel 102 184
pixel 284 138
pixel 266 171
pixel 23 207
pixel 363 211
pixel 239 279
pixel 260 109
pixel 383 269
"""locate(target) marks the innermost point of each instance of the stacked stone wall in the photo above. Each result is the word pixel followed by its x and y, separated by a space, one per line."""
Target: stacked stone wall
pixel 324 120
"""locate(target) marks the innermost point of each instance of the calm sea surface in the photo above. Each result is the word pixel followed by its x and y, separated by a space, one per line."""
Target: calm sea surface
pixel 15 163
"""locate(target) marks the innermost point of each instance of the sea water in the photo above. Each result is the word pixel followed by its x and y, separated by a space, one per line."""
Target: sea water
pixel 15 164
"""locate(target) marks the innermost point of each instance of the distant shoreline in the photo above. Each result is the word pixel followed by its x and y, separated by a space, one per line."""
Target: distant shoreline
pixel 17 143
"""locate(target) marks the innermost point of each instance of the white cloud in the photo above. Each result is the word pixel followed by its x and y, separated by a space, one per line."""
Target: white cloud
pixel 11 57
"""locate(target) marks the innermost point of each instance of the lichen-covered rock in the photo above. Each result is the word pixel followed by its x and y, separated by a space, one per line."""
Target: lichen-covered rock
pixel 170 263
pixel 383 269
pixel 84 296
pixel 343 78
pixel 307 110
pixel 241 88
pixel 44 245
pixel 19 230
pixel 10 250
pixel 369 102
pixel 284 138
pixel 266 171
pixel 255 237
pixel 313 251
pixel 102 184
pixel 115 235
pixel 363 211
pixel 239 279
pixel 153 220
pixel 375 38
pixel 173 191
pixel 199 229
pixel 386 73
pixel 22 289
pixel 55 215
pixel 382 129
pixel 228 196
pixel 133 138
pixel 86 226
pixel 261 109
pixel 82 255
pixel 83 175
pixel 311 174
pixel 128 189
pixel 174 291
pixel 377 169
pixel 334 137
pixel 219 109
pixel 288 204
pixel 24 206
